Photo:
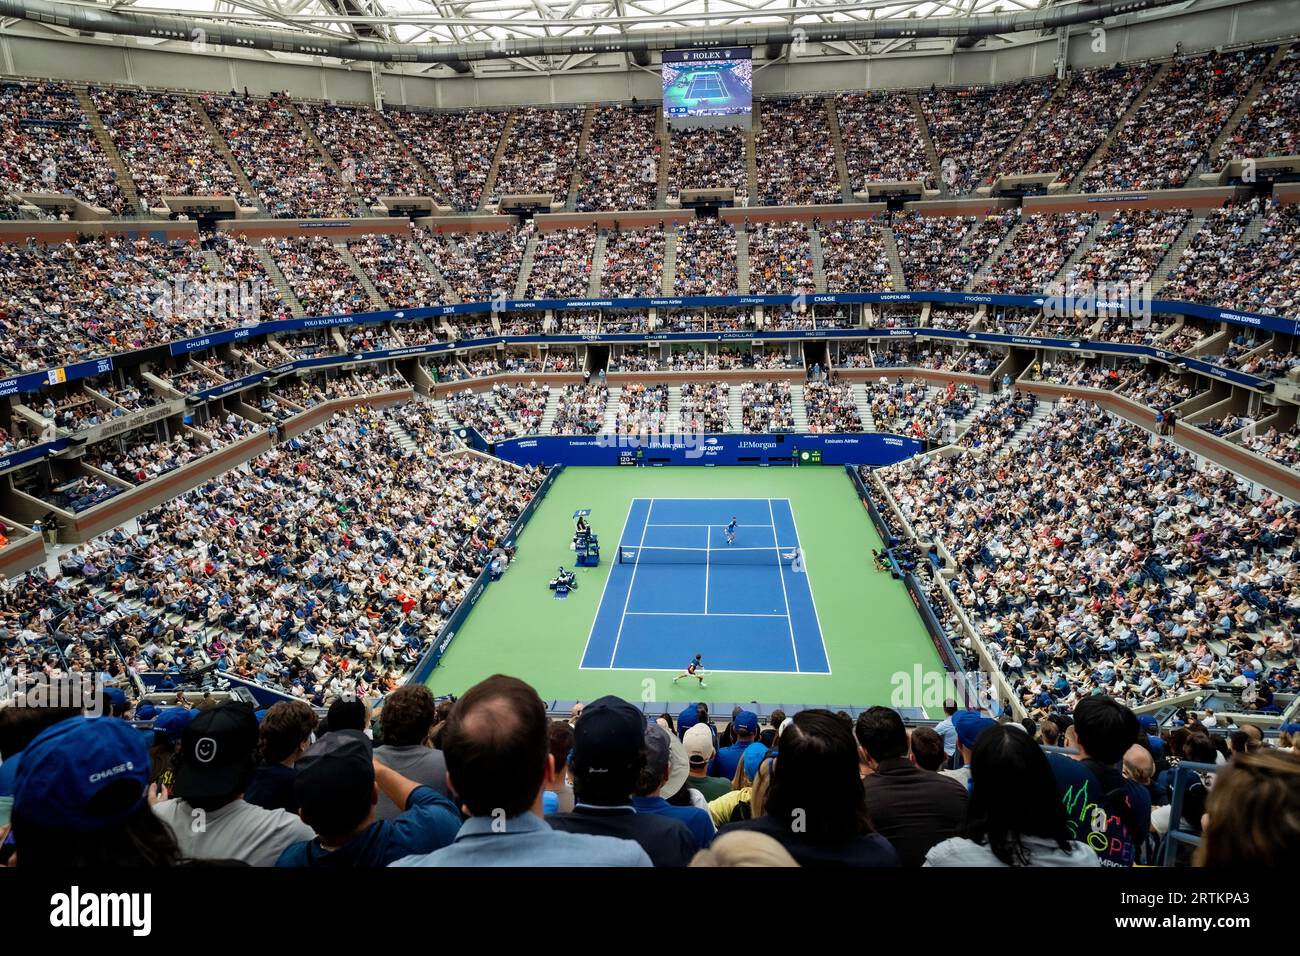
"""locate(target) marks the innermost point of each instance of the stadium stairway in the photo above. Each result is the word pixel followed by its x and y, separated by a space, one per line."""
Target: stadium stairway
pixel 751 157
pixel 584 139
pixel 930 152
pixel 895 263
pixel 742 261
pixel 310 134
pixel 674 408
pixel 490 184
pixel 611 409
pixel 549 412
pixel 376 300
pixel 818 258
pixel 862 399
pixel 1207 163
pixel 1161 273
pixel 661 137
pixel 1059 91
pixel 1133 107
pixel 278 280
pixel 223 150
pixel 1073 259
pixel 837 140
pixel 735 408
pixel 433 269
pixel 526 267
pixel 124 181
pixel 983 269
pixel 1041 413
pixel 670 260
pixel 401 436
pixel 598 263
pixel 798 412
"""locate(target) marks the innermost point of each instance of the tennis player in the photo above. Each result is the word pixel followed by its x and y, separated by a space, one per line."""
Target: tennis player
pixel 694 669
pixel 731 531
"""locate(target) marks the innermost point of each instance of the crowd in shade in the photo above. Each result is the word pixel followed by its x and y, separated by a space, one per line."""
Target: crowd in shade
pixel 1094 558
pixel 708 157
pixel 268 140
pixel 705 407
pixel 154 133
pixel 853 255
pixel 634 263
pixel 619 169
pixel 1161 143
pixel 47 145
pixel 503 412
pixel 767 407
pixel 562 264
pixel 883 141
pixel 795 163
pixel 831 407
pixel 321 279
pixel 1076 121
pixel 780 259
pixel 706 258
pixel 540 153
pixel 455 148
pixel 580 410
pixel 1128 248
pixel 479 265
pixel 1036 252
pixel 971 127
pixel 1220 264
pixel 917 411
pixel 372 159
pixel 398 269
pixel 1271 126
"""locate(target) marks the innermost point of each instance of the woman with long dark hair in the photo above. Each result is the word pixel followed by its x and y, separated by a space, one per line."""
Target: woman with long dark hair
pixel 1015 816
pixel 815 806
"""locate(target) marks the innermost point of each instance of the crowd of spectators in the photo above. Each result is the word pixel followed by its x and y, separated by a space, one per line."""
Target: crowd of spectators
pixel 620 167
pixel 540 153
pixel 321 279
pixel 1128 248
pixel 882 139
pixel 705 407
pixel 853 256
pixel 914 410
pixel 780 259
pixel 642 410
pixel 1161 144
pixel 1037 252
pixel 831 407
pixel 479 265
pixel 1270 126
pixel 562 264
pixel 292 178
pixel 371 159
pixel 795 161
pixel 47 145
pixel 972 126
pixel 396 268
pixel 998 421
pixel 455 147
pixel 580 410
pixel 706 258
pixel 767 407
pixel 634 264
pixel 708 157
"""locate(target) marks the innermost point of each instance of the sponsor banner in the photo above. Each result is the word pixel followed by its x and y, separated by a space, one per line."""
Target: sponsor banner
pixel 27 455
pixel 867 448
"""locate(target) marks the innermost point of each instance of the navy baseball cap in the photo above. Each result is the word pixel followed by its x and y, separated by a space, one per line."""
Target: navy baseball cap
pixel 170 723
pixel 609 737
pixel 146 711
pixel 747 721
pixel 83 773
pixel 217 750
pixel 688 718
pixel 969 724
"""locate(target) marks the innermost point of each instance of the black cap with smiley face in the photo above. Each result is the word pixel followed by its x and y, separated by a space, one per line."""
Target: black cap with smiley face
pixel 218 751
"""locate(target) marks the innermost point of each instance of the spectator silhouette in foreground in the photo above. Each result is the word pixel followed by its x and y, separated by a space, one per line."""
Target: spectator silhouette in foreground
pixel 1252 817
pixel 1015 817
pixel 499 765
pixel 816 808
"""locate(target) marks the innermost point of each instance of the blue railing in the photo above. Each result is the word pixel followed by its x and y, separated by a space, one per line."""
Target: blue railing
pixel 1184 776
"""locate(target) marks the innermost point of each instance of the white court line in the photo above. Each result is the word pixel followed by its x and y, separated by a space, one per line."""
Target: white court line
pixel 711 670
pixel 708 541
pixel 821 635
pixel 659 525
pixel 631 581
pixel 780 568
pixel 596 617
pixel 699 614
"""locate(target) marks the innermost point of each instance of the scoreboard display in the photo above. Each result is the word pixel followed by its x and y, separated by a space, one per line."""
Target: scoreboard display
pixel 708 82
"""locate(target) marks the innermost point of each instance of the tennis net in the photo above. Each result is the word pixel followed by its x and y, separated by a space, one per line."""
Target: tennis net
pixel 638 554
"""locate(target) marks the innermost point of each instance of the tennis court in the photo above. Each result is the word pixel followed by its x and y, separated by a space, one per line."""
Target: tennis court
pixel 705 86
pixel 678 588
pixel 848 632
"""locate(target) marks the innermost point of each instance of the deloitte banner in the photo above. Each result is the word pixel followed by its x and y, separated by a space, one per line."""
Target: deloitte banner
pixel 871 448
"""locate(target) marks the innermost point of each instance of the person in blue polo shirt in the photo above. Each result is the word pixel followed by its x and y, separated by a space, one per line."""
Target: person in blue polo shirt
pixel 662 777
pixel 745 727
pixel 337 786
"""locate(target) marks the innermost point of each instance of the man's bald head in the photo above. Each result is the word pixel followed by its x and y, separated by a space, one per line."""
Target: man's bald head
pixel 495 743
pixel 1139 766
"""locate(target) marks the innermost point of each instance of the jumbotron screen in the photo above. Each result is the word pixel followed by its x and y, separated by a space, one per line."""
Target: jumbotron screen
pixel 708 82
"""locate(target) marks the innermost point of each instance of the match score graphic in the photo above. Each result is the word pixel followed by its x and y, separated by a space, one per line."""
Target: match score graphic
pixel 708 82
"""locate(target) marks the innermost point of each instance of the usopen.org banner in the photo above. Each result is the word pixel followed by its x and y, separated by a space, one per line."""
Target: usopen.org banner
pixel 872 449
